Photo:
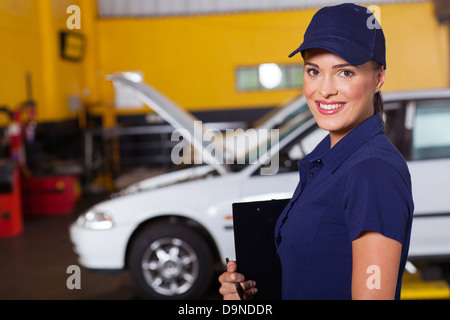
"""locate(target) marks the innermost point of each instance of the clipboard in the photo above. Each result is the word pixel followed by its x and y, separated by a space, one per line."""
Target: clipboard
pixel 254 240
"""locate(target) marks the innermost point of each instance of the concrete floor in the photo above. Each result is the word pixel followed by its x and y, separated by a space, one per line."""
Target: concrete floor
pixel 33 265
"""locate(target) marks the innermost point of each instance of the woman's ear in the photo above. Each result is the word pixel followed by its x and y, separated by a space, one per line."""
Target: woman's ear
pixel 381 75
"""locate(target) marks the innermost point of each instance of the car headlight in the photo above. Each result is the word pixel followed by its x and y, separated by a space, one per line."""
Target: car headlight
pixel 95 220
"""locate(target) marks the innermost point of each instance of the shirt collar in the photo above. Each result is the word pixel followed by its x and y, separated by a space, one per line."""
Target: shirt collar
pixel 333 158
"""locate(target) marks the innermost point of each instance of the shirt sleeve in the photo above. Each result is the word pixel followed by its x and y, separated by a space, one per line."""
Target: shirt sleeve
pixel 376 198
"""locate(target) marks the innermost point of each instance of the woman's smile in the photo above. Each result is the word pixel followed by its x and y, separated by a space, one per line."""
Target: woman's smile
pixel 329 107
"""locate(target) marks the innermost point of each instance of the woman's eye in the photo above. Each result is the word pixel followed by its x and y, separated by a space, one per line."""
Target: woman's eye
pixel 313 72
pixel 346 73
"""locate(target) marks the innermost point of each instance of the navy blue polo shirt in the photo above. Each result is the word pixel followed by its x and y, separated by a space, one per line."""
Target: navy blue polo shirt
pixel 361 184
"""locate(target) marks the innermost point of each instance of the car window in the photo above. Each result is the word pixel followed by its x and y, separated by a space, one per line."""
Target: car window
pixel 290 124
pixel 431 134
pixel 400 136
pixel 296 150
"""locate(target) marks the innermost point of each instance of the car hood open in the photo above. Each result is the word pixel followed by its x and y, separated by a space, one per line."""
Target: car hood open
pixel 179 118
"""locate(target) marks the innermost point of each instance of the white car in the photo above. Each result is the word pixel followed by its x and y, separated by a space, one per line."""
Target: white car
pixel 174 231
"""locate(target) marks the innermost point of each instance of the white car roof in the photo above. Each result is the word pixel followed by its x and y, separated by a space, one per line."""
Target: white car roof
pixel 438 93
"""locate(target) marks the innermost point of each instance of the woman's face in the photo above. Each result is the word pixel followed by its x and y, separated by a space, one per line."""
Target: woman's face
pixel 340 95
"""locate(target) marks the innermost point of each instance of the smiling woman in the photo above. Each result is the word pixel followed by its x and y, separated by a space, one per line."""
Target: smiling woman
pixel 351 213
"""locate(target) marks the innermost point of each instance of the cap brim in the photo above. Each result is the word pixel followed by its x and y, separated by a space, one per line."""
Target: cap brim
pixel 350 52
pixel 294 52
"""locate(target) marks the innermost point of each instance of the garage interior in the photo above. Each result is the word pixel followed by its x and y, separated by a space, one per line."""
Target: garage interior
pixel 69 138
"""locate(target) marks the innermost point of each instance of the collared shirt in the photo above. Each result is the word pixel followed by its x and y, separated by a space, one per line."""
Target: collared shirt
pixel 361 184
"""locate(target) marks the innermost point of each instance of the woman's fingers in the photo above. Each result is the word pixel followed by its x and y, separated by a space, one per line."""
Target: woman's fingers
pixel 228 290
pixel 231 275
pixel 231 266
pixel 230 278
pixel 249 289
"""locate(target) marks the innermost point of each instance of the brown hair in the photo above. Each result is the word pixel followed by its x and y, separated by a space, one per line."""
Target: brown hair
pixel 378 104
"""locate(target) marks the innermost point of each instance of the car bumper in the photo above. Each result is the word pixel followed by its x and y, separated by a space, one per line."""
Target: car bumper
pixel 100 249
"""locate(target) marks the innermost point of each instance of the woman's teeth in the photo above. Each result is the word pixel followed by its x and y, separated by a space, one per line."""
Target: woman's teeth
pixel 330 106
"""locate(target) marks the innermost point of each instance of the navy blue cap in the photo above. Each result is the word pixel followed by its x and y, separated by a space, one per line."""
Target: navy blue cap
pixel 349 31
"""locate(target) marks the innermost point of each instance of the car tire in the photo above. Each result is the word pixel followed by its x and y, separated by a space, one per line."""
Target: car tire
pixel 170 261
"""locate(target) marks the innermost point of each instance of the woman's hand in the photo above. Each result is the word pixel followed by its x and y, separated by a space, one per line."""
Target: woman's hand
pixel 228 282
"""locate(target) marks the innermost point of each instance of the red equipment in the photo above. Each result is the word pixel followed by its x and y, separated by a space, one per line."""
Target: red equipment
pixel 50 195
pixel 11 214
pixel 11 222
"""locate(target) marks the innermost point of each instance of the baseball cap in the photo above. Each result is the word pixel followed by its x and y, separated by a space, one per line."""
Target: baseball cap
pixel 348 31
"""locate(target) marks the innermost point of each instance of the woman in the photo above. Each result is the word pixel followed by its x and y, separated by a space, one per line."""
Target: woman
pixel 345 233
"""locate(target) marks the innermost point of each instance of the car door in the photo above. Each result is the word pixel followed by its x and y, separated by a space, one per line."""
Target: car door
pixel 429 164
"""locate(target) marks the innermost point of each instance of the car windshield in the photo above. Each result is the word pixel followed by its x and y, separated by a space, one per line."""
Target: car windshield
pixel 265 141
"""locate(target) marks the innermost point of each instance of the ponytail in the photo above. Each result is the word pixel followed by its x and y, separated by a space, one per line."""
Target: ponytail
pixel 378 104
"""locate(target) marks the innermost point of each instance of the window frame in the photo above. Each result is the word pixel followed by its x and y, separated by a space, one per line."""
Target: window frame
pixel 420 104
pixel 288 71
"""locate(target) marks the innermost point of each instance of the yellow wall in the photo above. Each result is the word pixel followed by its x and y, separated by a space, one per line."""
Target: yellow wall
pixel 417 47
pixel 190 59
pixel 193 59
pixel 29 33
pixel 20 54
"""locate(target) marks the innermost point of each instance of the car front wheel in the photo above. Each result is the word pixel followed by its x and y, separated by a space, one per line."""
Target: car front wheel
pixel 170 261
